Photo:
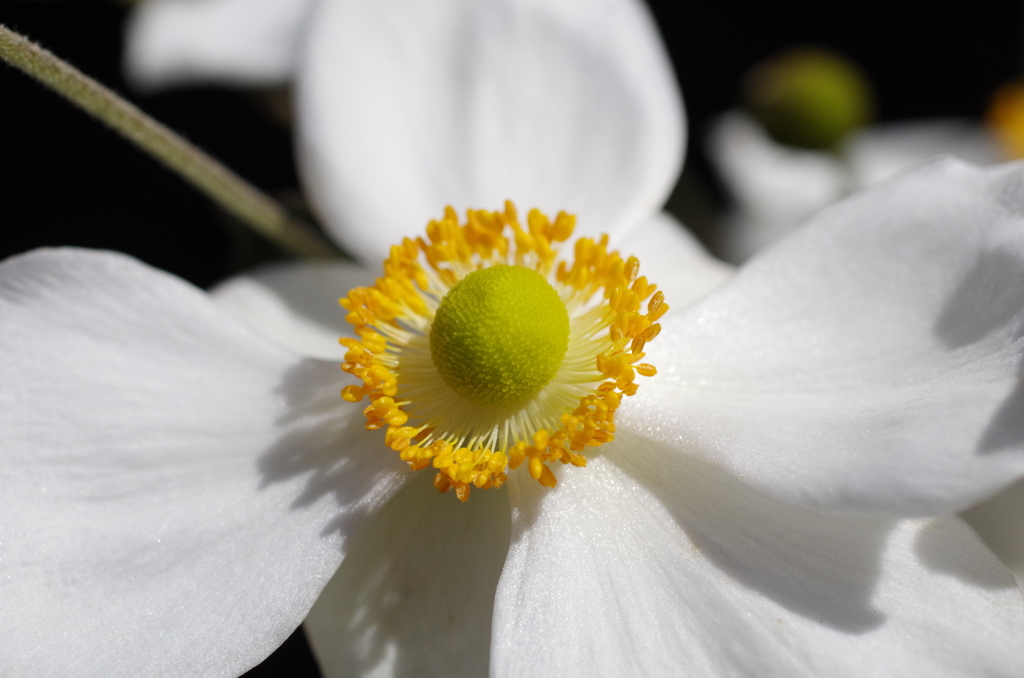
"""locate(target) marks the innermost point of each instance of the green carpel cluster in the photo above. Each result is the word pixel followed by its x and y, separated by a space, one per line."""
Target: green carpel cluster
pixel 499 336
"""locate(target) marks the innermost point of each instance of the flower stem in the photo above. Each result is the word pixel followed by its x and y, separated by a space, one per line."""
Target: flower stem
pixel 240 198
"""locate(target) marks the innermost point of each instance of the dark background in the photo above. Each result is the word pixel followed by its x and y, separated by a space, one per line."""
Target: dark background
pixel 68 181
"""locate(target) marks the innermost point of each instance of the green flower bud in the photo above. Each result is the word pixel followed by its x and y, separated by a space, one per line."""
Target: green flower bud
pixel 808 97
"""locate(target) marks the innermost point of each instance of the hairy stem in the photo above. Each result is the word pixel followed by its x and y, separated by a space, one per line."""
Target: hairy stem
pixel 240 198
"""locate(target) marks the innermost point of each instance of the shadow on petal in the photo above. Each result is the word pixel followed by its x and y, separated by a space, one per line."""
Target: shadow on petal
pixel 415 596
pixel 1007 426
pixel 324 438
pixel 998 522
pixel 939 553
pixel 990 297
pixel 821 566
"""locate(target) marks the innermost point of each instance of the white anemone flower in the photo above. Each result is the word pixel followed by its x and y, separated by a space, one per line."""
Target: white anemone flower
pixel 776 187
pixel 179 489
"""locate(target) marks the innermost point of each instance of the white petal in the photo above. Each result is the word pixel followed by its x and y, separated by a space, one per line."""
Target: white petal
pixel 660 565
pixel 776 188
pixel 884 151
pixel 415 595
pixel 247 42
pixel 871 361
pixel 1000 523
pixel 176 489
pixel 295 303
pixel 673 259
pixel 409 105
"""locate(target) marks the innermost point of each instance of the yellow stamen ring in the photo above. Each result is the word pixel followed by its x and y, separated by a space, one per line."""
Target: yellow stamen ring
pixel 474 442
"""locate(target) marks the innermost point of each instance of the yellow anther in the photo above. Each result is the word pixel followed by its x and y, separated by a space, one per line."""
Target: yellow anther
pixel 441 482
pixel 398 438
pixel 352 394
pixel 410 453
pixel 547 478
pixel 517 455
pixel 632 267
pixel 537 221
pixel 642 288
pixel 497 463
pixel 536 467
pixel 646 369
pixel 463 455
pixel 563 227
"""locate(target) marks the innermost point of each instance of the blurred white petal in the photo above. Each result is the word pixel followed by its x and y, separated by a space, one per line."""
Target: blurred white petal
pixel 775 187
pixel 245 42
pixel 884 151
pixel 408 106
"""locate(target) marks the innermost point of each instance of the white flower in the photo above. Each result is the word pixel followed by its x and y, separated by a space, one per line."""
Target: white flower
pixel 170 476
pixel 178 489
pixel 777 187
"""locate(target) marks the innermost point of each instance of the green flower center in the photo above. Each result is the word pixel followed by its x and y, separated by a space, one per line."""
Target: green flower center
pixel 499 335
